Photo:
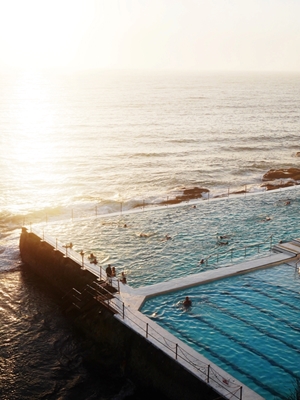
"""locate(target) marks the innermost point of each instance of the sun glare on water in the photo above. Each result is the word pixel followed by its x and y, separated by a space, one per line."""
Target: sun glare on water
pixel 29 147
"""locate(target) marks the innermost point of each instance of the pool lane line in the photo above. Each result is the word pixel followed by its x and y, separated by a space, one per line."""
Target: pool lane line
pixel 248 347
pixel 293 307
pixel 271 314
pixel 222 359
pixel 264 311
pixel 280 288
pixel 259 329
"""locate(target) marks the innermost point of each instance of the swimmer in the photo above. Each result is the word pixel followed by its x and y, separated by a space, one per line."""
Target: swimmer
pixel 166 237
pixel 187 302
pixel 224 237
pixel 143 234
pixel 201 261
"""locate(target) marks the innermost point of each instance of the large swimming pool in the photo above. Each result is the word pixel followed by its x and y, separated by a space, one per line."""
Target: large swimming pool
pixel 248 325
pixel 136 242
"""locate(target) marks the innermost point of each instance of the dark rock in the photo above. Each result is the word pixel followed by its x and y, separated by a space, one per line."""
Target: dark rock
pixel 284 173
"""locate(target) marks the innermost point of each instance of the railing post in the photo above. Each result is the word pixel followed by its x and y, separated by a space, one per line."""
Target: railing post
pixel 147 330
pixel 176 351
pixel 208 369
pixel 123 310
pixel 271 242
pixel 241 392
pixel 82 259
pixel 231 254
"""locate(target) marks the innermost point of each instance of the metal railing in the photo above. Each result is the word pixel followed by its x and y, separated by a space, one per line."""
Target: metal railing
pixel 241 250
pixel 204 371
pixel 143 205
pixel 79 258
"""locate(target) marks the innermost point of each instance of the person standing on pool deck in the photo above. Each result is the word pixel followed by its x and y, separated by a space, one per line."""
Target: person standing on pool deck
pixel 108 273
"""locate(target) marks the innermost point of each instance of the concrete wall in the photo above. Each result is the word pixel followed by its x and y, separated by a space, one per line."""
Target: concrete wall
pixel 116 346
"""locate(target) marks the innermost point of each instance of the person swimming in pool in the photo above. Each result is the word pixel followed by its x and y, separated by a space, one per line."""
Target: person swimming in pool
pixel 187 302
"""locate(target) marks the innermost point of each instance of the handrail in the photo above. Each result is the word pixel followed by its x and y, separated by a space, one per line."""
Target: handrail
pixel 144 205
pixel 205 371
pixel 237 249
pixel 73 255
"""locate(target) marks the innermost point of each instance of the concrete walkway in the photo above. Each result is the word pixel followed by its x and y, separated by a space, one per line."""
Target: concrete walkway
pixel 136 297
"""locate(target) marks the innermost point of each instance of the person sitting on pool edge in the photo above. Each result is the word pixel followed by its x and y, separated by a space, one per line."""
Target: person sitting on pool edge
pixel 123 278
pixel 187 302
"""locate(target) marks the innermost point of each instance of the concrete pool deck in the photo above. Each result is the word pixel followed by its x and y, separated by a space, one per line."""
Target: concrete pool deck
pixel 135 298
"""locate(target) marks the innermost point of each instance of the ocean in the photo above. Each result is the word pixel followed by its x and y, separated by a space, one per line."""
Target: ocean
pixel 73 143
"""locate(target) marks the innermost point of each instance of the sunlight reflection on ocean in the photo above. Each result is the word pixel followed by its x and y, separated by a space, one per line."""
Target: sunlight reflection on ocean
pixel 103 138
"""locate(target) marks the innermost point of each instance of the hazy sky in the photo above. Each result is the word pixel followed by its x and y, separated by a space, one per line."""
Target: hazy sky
pixel 169 34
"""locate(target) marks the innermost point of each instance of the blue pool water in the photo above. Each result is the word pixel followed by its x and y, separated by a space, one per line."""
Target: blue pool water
pixel 251 223
pixel 248 325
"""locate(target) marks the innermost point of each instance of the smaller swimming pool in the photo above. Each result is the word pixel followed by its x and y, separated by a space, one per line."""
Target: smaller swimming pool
pixel 248 325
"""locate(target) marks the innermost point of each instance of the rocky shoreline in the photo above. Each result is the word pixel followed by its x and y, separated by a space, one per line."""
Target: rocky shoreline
pixel 281 178
pixel 273 179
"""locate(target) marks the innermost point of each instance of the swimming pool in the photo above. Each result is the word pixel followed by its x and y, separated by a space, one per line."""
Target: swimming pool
pixel 136 242
pixel 248 325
